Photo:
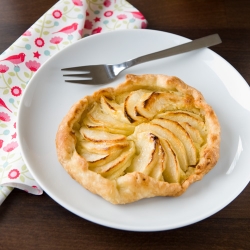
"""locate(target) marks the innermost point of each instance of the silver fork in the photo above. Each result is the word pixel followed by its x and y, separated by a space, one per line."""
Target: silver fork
pixel 106 73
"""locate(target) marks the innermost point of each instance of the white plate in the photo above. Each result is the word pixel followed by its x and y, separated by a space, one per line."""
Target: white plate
pixel 48 98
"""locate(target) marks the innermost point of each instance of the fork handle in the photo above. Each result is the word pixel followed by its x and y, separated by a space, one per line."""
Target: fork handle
pixel 186 47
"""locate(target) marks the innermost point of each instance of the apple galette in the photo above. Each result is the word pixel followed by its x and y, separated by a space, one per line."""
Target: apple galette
pixel 153 135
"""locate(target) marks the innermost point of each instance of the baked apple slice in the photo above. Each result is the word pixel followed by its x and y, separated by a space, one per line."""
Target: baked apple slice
pixel 182 135
pixel 166 134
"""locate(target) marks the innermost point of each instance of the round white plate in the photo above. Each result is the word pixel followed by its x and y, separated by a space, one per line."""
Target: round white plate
pixel 48 98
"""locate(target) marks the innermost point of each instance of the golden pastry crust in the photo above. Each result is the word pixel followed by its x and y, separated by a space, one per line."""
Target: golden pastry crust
pixel 153 135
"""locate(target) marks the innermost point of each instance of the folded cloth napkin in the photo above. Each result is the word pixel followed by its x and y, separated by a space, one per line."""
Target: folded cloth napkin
pixel 66 22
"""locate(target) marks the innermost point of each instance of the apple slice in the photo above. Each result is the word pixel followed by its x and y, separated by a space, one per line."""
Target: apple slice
pixel 194 134
pixel 172 172
pixel 96 155
pixel 91 124
pixel 160 164
pixel 114 109
pixel 103 148
pixel 99 117
pixel 130 104
pixel 91 157
pixel 140 103
pixel 118 165
pixel 157 102
pixel 182 135
pixel 108 122
pixel 121 170
pixel 193 119
pixel 163 133
pixel 109 106
pixel 102 161
pixel 107 127
pixel 189 113
pixel 147 147
pixel 101 136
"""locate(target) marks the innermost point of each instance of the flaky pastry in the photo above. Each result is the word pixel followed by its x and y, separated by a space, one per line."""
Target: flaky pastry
pixel 153 135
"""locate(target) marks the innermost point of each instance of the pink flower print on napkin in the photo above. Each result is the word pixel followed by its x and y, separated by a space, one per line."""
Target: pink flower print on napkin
pixel 77 2
pixel 138 15
pixel 143 25
pixel 39 42
pixel 33 65
pixel 27 33
pixel 97 30
pixel 107 3
pixel 108 13
pixel 4 117
pixel 57 14
pixel 3 68
pixel 14 174
pixel 122 16
pixel 81 32
pixel 16 91
pixel 10 146
pixel 88 25
pixel 56 40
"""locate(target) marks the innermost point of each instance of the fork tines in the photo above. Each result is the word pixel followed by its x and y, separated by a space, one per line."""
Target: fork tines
pixel 80 68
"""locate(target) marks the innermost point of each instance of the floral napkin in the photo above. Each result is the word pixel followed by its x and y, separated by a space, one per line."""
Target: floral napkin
pixel 66 22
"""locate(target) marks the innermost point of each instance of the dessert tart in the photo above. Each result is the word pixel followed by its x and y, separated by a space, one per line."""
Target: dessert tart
pixel 153 135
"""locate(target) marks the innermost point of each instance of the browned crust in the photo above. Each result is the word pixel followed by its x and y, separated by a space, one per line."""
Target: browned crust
pixel 134 186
